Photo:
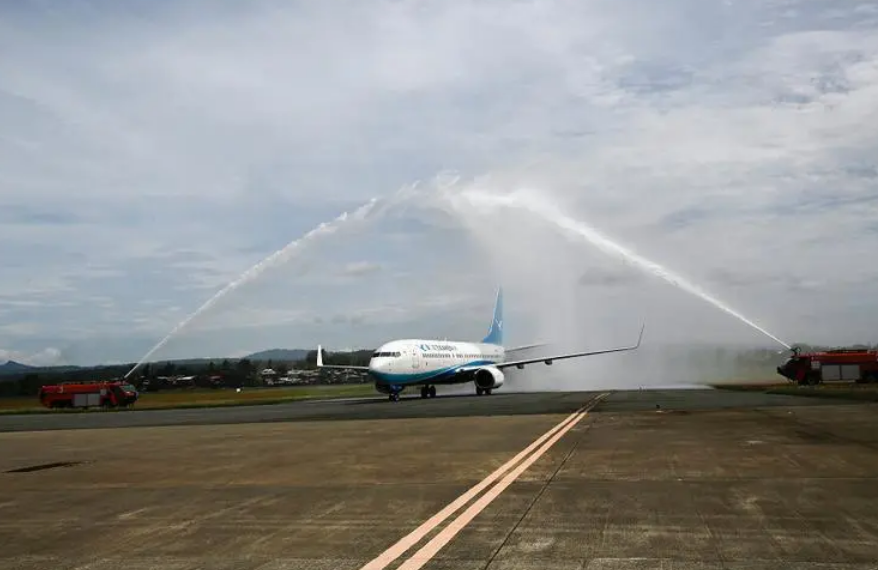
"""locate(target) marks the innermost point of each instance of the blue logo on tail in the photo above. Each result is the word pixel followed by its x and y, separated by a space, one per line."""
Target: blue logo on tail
pixel 495 334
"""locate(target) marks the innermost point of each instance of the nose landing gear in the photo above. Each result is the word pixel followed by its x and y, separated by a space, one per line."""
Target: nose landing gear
pixel 392 392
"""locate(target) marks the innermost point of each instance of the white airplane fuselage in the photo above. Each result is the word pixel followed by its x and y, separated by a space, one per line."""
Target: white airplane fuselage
pixel 409 362
pixel 427 363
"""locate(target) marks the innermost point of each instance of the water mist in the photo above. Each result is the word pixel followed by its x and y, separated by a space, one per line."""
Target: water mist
pixel 538 205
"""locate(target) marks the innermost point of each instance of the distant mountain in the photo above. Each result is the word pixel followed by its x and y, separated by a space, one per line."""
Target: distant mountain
pixel 12 367
pixel 279 354
pixel 191 361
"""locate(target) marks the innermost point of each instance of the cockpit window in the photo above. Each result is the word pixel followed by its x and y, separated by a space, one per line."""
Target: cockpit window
pixel 385 354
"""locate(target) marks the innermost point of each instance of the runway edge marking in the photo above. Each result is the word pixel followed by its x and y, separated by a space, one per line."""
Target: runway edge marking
pixel 553 435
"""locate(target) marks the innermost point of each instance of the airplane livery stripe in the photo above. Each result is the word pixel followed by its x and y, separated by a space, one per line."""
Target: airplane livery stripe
pixel 407 378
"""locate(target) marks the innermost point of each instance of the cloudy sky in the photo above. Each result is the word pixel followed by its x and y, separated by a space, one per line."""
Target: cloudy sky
pixel 151 152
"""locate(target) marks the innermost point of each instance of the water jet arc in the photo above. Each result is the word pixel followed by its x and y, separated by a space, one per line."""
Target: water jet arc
pixel 280 256
pixel 537 205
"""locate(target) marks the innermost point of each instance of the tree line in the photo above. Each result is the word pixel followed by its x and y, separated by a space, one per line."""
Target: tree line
pixel 231 373
pixel 219 373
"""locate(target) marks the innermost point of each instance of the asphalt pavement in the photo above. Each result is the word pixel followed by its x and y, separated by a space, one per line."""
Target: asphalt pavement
pixel 675 479
pixel 410 406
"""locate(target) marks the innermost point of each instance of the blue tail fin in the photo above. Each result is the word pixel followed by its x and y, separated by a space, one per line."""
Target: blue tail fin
pixel 495 334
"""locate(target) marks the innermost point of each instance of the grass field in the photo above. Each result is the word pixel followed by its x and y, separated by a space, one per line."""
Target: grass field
pixel 847 391
pixel 208 398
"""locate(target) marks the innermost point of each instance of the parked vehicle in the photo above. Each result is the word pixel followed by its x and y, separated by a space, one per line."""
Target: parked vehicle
pixel 842 365
pixel 112 394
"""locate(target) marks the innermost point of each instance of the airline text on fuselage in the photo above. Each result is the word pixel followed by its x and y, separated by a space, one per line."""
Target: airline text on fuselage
pixel 437 347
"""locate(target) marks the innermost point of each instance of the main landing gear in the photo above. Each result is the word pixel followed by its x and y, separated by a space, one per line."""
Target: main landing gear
pixel 428 391
pixel 485 391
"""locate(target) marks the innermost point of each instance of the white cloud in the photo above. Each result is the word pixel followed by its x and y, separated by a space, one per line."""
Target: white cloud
pixel 149 158
pixel 359 268
pixel 46 357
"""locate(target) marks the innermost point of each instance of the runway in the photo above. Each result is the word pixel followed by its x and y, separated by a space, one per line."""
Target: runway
pixel 410 407
pixel 641 480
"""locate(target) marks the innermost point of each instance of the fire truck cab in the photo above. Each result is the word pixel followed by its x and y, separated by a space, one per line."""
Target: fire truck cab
pixel 842 365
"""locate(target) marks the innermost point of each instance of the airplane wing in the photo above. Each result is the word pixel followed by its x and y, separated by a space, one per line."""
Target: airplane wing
pixel 525 347
pixel 336 366
pixel 550 359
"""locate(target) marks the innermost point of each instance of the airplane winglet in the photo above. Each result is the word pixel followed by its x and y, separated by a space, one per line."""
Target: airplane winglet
pixel 336 366
pixel 640 338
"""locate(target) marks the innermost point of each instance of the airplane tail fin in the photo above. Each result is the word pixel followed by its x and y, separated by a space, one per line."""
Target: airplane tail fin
pixel 495 334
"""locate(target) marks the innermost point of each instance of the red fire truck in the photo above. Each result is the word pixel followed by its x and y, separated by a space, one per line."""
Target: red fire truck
pixel 110 394
pixel 843 365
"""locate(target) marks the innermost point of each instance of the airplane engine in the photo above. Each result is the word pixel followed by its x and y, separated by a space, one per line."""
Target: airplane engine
pixel 489 378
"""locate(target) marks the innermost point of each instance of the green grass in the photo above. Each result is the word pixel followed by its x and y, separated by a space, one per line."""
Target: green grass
pixel 172 399
pixel 748 387
pixel 19 403
pixel 860 392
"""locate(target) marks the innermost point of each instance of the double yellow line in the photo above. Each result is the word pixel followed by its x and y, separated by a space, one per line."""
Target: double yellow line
pixel 512 470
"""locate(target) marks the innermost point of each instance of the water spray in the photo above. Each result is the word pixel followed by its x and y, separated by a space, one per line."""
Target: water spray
pixel 445 192
pixel 280 256
pixel 537 205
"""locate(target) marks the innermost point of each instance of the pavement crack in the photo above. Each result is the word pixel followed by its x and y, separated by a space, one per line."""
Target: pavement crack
pixel 716 541
pixel 537 496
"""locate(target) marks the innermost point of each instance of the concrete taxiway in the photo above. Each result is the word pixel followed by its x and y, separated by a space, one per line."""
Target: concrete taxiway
pixel 663 479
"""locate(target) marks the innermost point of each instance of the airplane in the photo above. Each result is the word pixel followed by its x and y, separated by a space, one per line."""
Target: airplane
pixel 404 363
